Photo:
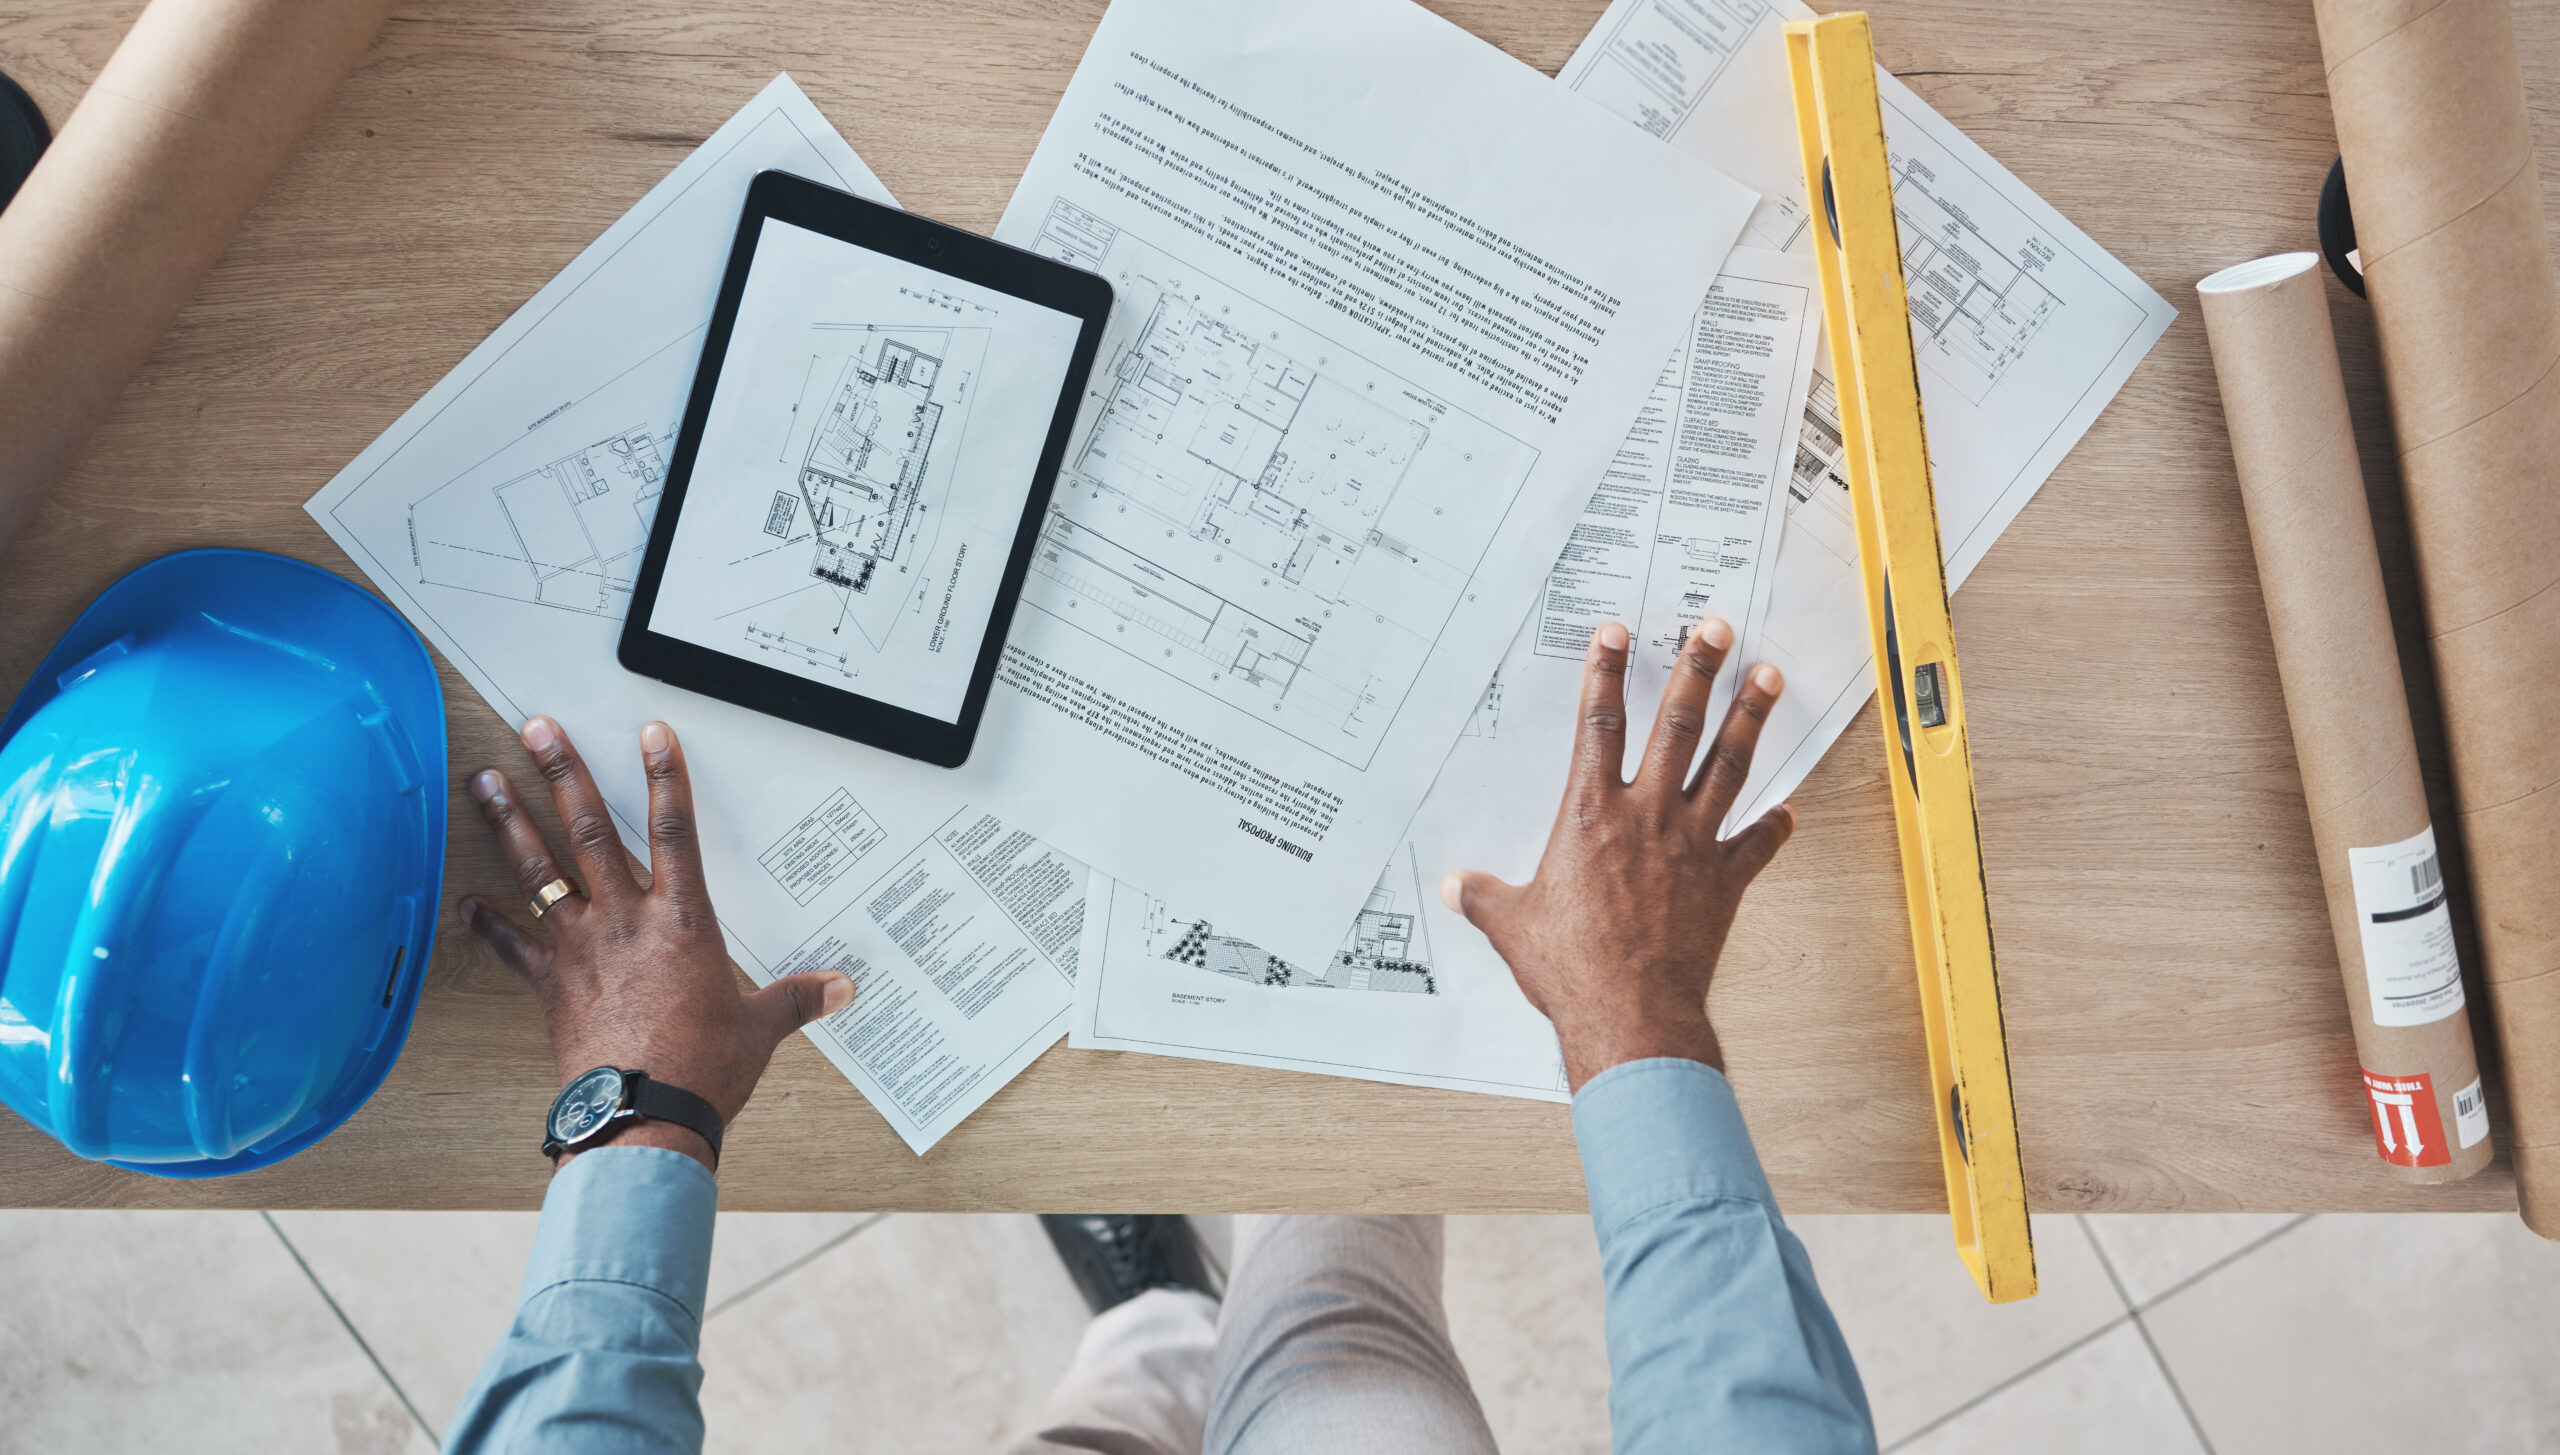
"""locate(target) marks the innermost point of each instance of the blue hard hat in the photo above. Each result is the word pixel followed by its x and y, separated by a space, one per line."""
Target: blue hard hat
pixel 222 815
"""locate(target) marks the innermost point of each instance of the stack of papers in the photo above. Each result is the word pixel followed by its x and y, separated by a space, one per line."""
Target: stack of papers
pixel 504 515
pixel 1341 220
pixel 2024 329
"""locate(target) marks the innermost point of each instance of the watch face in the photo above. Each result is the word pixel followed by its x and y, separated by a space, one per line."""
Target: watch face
pixel 586 1104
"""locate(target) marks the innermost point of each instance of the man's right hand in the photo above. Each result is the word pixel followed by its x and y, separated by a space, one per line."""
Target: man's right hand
pixel 630 977
pixel 1617 935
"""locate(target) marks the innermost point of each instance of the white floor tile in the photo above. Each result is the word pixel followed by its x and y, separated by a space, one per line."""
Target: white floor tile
pixel 2374 1333
pixel 430 1291
pixel 2155 1252
pixel 748 1248
pixel 178 1331
pixel 2107 1397
pixel 1524 1304
pixel 923 1333
pixel 1924 1339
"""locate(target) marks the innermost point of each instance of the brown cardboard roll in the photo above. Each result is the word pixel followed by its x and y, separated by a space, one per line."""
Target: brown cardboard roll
pixel 128 208
pixel 2448 217
pixel 2286 407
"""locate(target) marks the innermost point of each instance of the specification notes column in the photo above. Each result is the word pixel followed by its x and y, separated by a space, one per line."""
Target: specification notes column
pixel 2024 329
pixel 1387 300
pixel 937 943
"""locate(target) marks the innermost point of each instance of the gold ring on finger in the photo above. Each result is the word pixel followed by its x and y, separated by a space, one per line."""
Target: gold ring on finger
pixel 551 894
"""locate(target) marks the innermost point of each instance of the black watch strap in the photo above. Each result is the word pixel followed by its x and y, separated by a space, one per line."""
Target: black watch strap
pixel 667 1103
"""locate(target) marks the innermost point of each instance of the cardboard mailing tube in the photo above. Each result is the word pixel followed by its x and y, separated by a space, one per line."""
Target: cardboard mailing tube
pixel 127 210
pixel 2286 406
pixel 2448 215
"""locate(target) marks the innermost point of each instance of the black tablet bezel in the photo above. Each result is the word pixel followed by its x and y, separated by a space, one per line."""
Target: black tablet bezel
pixel 927 244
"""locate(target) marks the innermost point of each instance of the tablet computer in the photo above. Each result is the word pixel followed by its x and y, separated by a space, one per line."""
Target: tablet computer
pixel 880 412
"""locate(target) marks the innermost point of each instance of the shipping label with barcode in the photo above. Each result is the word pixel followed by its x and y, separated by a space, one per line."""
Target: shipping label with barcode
pixel 2470 1115
pixel 2410 967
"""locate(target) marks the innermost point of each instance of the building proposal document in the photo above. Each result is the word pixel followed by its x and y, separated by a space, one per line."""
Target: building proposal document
pixel 1683 527
pixel 505 515
pixel 2024 329
pixel 1387 301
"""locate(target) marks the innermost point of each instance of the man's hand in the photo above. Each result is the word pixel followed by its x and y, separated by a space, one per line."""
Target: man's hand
pixel 1617 935
pixel 636 978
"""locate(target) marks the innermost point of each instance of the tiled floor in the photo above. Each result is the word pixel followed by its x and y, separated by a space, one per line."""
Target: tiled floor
pixel 357 1332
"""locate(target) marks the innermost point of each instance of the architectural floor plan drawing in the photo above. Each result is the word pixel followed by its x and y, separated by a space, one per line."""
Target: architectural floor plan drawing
pixel 1977 303
pixel 568 533
pixel 1387 948
pixel 864 476
pixel 840 538
pixel 1975 306
pixel 1259 512
pixel 1973 262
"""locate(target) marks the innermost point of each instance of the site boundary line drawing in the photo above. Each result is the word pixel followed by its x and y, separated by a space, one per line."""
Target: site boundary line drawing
pixel 1268 517
pixel 676 353
pixel 567 533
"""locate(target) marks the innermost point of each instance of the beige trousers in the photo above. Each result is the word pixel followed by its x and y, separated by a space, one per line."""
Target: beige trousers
pixel 1331 1339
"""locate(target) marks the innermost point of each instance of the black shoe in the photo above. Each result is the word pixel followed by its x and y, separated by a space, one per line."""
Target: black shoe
pixel 1114 1259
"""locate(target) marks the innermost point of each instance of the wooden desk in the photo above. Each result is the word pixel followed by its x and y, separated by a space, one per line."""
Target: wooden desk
pixel 2173 1002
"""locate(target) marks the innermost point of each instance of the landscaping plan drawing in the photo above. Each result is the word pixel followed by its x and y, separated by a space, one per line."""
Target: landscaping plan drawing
pixel 1387 948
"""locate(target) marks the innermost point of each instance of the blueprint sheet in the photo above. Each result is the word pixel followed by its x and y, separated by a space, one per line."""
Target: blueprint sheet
pixel 2024 329
pixel 504 515
pixel 1683 526
pixel 1369 355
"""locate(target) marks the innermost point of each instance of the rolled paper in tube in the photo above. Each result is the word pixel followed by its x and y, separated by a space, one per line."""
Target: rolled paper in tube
pixel 129 207
pixel 2286 407
pixel 2448 217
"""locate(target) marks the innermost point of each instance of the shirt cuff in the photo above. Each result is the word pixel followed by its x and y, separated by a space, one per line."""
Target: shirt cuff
pixel 1662 1131
pixel 635 1215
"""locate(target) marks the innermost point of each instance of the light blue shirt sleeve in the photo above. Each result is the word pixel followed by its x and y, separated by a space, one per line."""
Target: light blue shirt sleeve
pixel 601 1354
pixel 1718 1338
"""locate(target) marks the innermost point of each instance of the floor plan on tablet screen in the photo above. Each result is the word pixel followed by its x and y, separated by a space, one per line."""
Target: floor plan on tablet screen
pixel 864 512
pixel 863 470
pixel 871 479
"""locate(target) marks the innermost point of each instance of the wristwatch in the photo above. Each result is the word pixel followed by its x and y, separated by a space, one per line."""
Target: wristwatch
pixel 599 1103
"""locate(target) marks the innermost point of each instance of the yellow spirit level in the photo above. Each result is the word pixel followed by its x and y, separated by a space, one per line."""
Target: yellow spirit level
pixel 1849 183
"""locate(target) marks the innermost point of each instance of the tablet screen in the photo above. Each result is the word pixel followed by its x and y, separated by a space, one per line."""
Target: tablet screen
pixel 870 447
